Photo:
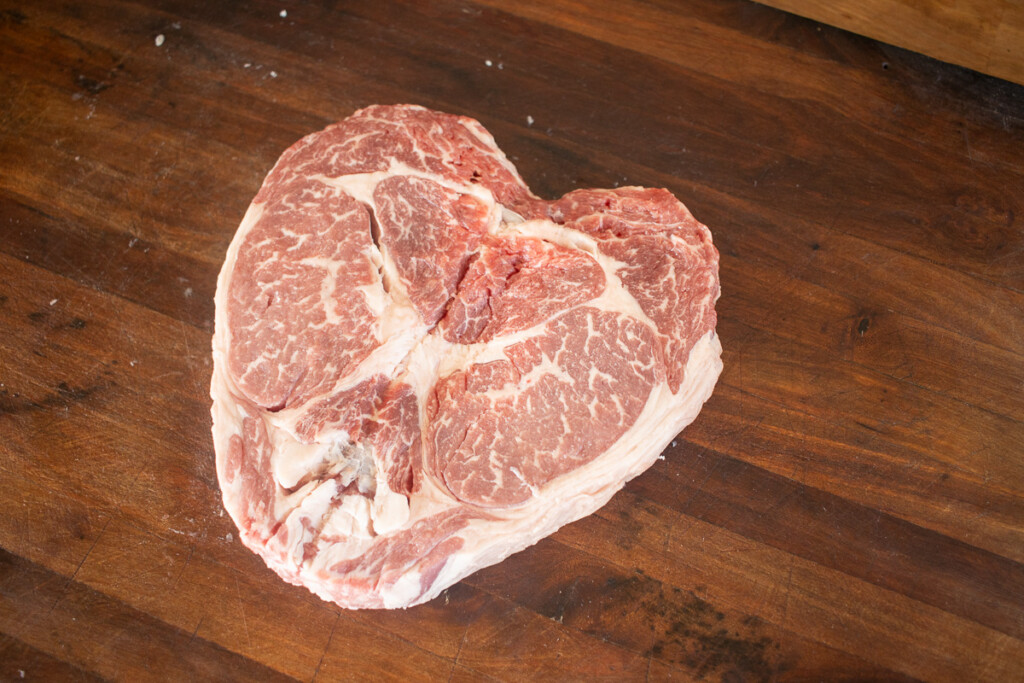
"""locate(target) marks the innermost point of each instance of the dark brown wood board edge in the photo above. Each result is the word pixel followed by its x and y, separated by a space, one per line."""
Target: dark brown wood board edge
pixel 983 36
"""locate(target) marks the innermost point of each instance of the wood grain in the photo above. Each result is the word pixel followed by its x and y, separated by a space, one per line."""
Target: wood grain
pixel 848 506
pixel 985 35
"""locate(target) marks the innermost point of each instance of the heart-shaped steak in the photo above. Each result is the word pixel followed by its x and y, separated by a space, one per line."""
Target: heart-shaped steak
pixel 420 367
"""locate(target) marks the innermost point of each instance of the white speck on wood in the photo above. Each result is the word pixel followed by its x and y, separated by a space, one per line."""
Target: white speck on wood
pixel 284 13
pixel 488 62
pixel 159 40
pixel 273 74
pixel 53 301
pixel 529 120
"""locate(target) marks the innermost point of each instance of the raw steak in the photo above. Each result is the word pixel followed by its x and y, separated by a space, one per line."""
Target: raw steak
pixel 420 367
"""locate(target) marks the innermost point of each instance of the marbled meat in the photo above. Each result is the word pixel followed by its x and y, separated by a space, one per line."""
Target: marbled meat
pixel 420 367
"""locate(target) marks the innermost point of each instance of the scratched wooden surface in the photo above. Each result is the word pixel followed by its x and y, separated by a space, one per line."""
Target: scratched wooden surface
pixel 849 504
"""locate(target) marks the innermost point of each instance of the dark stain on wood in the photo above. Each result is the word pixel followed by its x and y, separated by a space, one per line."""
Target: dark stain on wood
pixel 12 16
pixel 56 319
pixel 72 394
pixel 63 397
pixel 690 631
pixel 91 85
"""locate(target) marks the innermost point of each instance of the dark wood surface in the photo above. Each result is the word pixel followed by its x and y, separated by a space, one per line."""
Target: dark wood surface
pixel 849 504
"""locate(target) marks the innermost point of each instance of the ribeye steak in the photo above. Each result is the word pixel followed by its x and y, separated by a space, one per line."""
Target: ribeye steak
pixel 420 367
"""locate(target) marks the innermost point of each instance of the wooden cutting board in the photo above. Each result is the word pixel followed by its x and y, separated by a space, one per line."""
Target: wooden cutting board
pixel 984 35
pixel 849 504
